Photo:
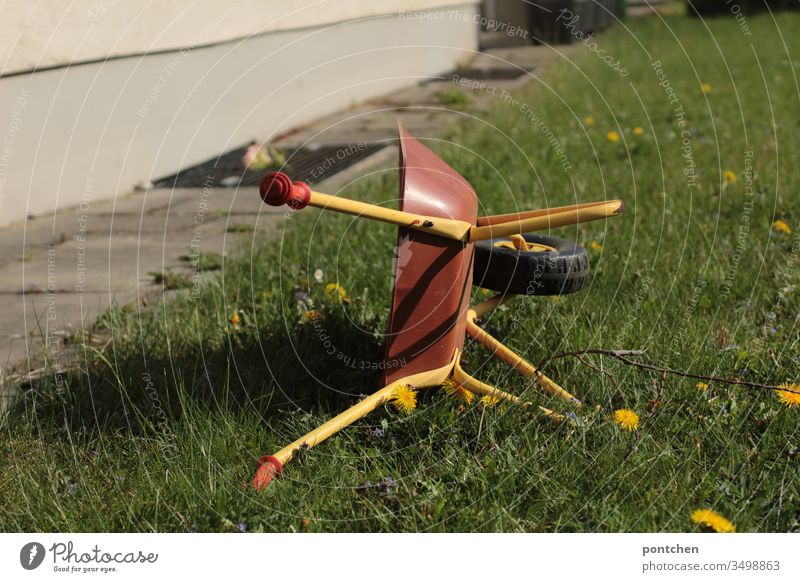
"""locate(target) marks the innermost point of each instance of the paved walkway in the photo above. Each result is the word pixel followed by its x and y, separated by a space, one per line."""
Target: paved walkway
pixel 59 272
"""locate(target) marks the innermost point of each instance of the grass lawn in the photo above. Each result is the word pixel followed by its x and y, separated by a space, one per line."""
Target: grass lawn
pixel 161 431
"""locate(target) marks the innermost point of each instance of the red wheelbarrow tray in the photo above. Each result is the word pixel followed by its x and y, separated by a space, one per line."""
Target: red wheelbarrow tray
pixel 432 275
pixel 430 314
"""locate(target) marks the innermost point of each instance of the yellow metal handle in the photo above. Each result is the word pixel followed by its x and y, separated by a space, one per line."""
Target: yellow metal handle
pixel 550 219
pixel 445 227
pixel 277 189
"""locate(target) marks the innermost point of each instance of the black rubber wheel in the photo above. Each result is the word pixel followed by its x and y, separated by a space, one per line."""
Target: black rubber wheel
pixel 560 268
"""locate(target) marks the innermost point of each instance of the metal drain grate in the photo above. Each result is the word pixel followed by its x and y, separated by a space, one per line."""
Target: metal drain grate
pixel 310 164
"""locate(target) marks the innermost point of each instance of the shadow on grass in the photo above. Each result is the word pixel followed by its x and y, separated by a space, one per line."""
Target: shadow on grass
pixel 263 374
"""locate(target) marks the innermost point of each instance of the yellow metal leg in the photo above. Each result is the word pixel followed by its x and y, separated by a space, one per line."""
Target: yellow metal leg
pixel 337 423
pixel 482 389
pixel 271 466
pixel 515 361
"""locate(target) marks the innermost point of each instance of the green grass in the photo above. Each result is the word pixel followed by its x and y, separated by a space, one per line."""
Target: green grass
pixel 203 261
pixel 239 227
pixel 453 98
pixel 170 280
pixel 161 432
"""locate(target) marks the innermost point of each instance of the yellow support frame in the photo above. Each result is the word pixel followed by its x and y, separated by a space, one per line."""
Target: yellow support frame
pixel 271 466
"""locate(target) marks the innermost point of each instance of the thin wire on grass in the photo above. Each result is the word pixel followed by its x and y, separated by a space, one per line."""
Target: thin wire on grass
pixel 606 373
pixel 623 356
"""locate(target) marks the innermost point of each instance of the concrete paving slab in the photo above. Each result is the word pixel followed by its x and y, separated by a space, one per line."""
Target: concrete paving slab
pixel 522 58
pixel 113 264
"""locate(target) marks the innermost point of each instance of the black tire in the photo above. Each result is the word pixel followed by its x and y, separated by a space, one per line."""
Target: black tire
pixel 506 270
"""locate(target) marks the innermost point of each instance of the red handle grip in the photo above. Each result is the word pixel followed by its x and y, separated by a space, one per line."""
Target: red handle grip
pixel 268 467
pixel 277 189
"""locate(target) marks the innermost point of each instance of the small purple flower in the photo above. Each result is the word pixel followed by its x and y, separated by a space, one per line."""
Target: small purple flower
pixel 377 432
pixel 299 294
pixel 387 485
pixel 242 527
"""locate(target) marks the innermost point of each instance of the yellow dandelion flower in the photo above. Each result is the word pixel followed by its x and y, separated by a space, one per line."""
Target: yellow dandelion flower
pixel 638 131
pixel 790 395
pixel 596 246
pixel 235 319
pixel 453 388
pixel 491 400
pixel 627 419
pixel 612 136
pixel 404 398
pixel 729 177
pixel 702 386
pixel 311 315
pixel 713 520
pixel 706 88
pixel 332 288
pixel 781 226
pixel 589 121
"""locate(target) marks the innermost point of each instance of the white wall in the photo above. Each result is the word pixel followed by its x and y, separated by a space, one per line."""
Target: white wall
pixel 94 131
pixel 41 33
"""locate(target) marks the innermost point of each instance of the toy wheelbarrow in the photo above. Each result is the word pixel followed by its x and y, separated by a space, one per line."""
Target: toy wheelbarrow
pixel 442 249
